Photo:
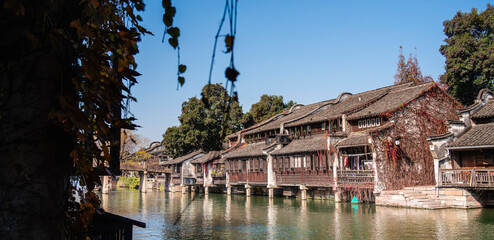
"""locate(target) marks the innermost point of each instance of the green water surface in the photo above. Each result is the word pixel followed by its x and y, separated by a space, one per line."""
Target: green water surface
pixel 219 216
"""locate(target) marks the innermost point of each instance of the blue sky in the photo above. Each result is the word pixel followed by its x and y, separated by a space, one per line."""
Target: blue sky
pixel 306 51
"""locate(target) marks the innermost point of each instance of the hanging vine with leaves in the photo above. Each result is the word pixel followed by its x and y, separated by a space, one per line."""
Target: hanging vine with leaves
pixel 403 156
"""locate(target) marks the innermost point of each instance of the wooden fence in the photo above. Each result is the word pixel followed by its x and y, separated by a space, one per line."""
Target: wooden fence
pixel 320 178
pixel 356 178
pixel 466 178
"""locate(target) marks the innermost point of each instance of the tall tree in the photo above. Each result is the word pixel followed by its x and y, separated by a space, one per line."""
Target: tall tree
pixel 204 122
pixel 469 54
pixel 131 142
pixel 409 71
pixel 267 107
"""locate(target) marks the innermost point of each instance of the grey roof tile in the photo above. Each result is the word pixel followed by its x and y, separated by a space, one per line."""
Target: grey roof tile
pixel 479 135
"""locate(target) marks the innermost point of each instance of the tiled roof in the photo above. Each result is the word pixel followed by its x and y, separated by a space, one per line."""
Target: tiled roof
pixel 303 145
pixel 477 136
pixel 391 101
pixel 299 112
pixel 248 150
pixel 486 111
pixel 184 157
pixel 354 140
pixel 208 157
pixel 351 104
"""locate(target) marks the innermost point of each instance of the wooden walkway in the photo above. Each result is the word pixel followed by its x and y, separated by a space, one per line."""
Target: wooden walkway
pixel 154 168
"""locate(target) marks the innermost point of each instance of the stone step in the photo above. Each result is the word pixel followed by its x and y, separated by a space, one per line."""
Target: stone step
pixel 421 188
pixel 420 200
pixel 415 194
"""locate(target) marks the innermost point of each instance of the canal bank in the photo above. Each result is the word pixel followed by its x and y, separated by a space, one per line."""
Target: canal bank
pixel 221 216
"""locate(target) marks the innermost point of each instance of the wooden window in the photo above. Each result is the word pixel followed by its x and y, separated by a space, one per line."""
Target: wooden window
pixel 378 121
pixel 308 129
pixel 368 122
pixel 364 124
pixel 359 124
pixel 323 126
pixel 373 122
pixel 261 165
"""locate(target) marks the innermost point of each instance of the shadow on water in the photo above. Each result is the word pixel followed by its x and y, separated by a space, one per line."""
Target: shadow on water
pixel 219 216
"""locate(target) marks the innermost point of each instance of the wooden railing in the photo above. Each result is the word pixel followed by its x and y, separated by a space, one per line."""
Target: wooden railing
pixel 200 180
pixel 320 178
pixel 258 177
pixel 238 177
pixel 466 178
pixel 219 181
pixel 132 167
pixel 219 175
pixel 158 168
pixel 142 167
pixel 176 181
pixel 357 178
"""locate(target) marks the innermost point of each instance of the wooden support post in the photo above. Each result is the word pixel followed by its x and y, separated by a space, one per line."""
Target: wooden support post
pixel 105 187
pixel 247 190
pixel 304 192
pixel 337 195
pixel 184 189
pixel 228 189
pixel 206 190
pixel 271 192
pixel 143 179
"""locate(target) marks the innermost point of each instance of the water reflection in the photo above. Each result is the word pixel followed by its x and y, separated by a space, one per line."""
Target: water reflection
pixel 219 216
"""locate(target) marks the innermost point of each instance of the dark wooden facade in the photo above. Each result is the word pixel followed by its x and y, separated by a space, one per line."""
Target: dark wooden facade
pixel 311 169
pixel 247 170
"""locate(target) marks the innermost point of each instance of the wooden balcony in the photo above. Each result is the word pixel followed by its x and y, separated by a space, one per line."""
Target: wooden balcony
pixel 219 175
pixel 238 177
pixel 356 178
pixel 140 167
pixel 158 168
pixel 176 175
pixel 251 177
pixel 320 178
pixel 467 178
pixel 199 181
pixel 133 167
pixel 219 181
pixel 258 177
pixel 176 181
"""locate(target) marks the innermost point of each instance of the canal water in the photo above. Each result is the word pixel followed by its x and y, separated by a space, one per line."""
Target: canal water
pixel 218 216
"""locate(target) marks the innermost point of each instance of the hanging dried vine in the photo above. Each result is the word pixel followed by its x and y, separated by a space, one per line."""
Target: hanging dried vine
pixel 403 158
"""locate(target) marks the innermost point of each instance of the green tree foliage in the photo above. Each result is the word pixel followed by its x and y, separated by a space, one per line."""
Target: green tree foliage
pixel 130 143
pixel 204 122
pixel 469 52
pixel 267 107
pixel 409 71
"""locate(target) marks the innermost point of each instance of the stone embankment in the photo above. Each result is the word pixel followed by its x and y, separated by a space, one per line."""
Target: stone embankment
pixel 428 197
